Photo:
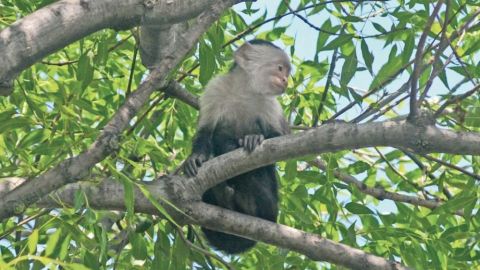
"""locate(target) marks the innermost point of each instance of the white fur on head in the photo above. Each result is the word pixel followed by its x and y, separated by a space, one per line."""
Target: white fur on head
pixel 245 93
pixel 225 99
pixel 260 62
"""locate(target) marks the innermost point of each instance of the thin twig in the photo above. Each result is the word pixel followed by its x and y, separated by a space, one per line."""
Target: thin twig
pixel 463 30
pixel 132 69
pixel 25 221
pixel 456 99
pixel 379 193
pixel 153 105
pixel 387 109
pixel 418 61
pixel 306 21
pixel 327 87
pixel 203 251
pixel 438 53
pixel 75 61
pixel 405 179
pixel 451 166
pixel 430 175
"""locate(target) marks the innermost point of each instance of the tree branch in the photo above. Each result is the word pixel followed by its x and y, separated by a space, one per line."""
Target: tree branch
pixel 76 168
pixel 418 61
pixel 379 193
pixel 313 246
pixel 335 137
pixel 61 23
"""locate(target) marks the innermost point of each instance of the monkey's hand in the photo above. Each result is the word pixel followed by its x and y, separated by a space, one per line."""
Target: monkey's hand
pixel 250 142
pixel 193 162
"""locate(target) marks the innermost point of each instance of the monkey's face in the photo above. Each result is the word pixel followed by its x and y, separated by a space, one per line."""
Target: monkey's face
pixel 271 78
pixel 278 76
pixel 267 67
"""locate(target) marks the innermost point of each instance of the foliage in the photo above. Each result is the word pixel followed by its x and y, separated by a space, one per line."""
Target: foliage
pixel 60 104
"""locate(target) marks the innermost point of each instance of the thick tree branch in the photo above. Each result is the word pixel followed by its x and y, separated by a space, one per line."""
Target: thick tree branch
pixel 313 246
pixel 335 137
pixel 328 138
pixel 176 90
pixel 61 23
pixel 76 168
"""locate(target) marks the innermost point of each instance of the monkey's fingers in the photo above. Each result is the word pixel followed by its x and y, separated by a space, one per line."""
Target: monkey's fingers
pixel 252 141
pixel 198 162
pixel 249 143
pixel 260 139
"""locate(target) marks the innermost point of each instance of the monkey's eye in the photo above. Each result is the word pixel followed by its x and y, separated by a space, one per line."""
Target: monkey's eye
pixel 280 68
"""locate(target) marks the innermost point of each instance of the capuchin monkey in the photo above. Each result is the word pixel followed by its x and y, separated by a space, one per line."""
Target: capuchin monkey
pixel 240 109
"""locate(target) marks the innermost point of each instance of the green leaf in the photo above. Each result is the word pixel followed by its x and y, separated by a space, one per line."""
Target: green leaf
pixel 358 209
pixel 77 266
pixel 84 70
pixel 456 203
pixel 14 123
pixel 339 41
pixel 157 205
pixel 379 28
pixel 32 242
pixel 139 247
pixel 128 189
pixel 409 46
pixel 353 19
pixel 35 136
pixel 291 170
pixel 472 117
pixel 358 167
pixel 90 260
pixel 207 63
pixel 349 69
pixel 323 37
pixel 386 72
pixel 367 56
pixel 52 242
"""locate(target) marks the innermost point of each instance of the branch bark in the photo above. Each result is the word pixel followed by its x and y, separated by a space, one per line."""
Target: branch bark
pixel 61 23
pixel 313 246
pixel 185 193
pixel 76 168
pixel 335 137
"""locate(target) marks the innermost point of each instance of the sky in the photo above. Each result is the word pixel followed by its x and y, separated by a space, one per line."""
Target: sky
pixel 306 40
pixel 305 44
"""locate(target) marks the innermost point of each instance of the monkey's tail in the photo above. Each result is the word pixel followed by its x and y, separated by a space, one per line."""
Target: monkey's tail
pixel 255 194
pixel 228 243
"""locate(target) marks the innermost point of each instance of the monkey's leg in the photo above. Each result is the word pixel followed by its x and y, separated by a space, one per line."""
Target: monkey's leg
pixel 256 193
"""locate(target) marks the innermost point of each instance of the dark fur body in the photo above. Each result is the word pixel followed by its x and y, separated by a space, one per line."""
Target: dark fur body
pixel 255 193
pixel 240 109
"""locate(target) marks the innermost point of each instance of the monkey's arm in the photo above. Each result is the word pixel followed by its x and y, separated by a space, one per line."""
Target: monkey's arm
pixel 202 149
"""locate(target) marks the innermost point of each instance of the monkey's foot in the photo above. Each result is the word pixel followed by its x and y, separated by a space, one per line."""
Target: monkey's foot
pixel 193 162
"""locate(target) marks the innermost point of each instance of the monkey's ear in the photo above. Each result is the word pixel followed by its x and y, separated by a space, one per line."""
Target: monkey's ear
pixel 244 54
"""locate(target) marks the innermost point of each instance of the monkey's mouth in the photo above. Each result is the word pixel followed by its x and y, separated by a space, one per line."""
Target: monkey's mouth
pixel 279 83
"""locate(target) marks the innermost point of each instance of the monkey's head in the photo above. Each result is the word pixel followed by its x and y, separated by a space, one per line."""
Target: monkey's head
pixel 267 66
